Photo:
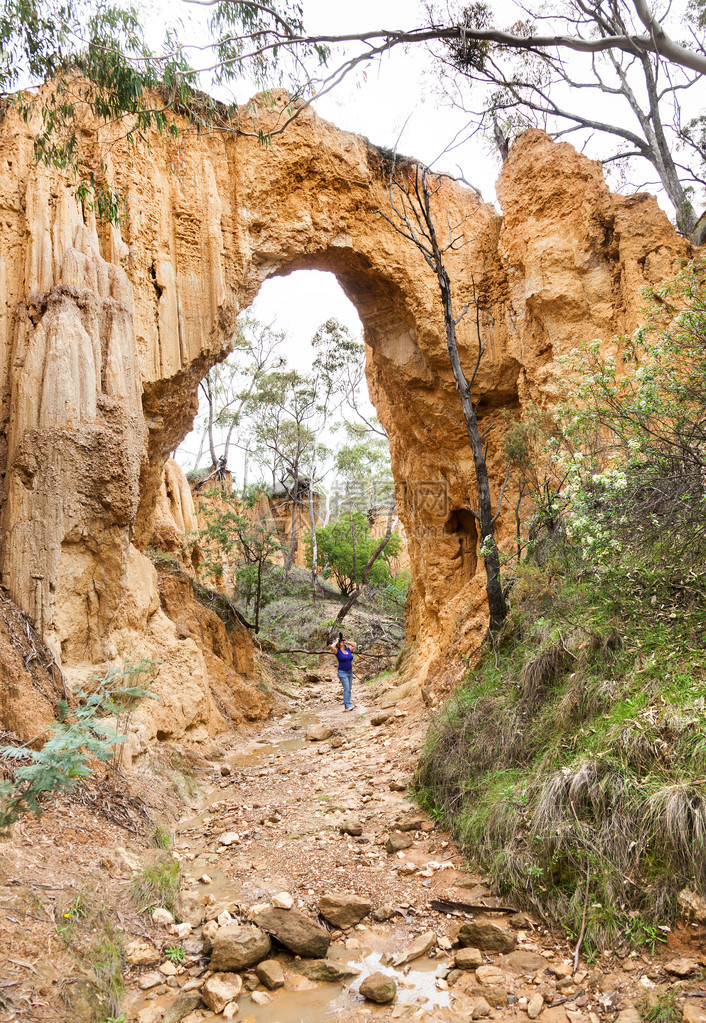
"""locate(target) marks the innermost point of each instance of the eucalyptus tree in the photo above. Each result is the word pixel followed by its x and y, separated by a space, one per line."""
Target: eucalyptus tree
pixel 282 409
pixel 227 389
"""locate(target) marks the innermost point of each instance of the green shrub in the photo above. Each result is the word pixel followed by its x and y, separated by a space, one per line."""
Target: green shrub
pixel 80 735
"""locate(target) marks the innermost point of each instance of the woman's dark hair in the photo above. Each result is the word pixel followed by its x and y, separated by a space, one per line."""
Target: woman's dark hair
pixel 340 640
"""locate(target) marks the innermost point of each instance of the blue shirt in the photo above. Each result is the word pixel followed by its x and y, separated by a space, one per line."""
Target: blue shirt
pixel 345 659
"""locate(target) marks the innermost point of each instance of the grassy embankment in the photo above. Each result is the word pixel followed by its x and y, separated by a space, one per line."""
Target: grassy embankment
pixel 571 762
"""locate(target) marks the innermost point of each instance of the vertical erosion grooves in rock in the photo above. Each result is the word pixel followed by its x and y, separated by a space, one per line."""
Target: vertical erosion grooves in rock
pixel 106 331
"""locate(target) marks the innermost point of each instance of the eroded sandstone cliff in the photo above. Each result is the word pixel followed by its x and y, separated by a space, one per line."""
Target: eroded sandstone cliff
pixel 105 333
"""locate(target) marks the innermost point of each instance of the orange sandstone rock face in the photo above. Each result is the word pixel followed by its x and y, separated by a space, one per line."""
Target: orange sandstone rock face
pixel 105 333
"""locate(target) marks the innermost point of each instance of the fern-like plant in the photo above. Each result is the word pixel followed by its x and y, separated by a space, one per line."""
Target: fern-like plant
pixel 80 734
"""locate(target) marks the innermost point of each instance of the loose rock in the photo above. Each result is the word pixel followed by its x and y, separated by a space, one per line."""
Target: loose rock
pixel 221 989
pixel 681 967
pixel 344 911
pixel 270 973
pixel 189 907
pixel 319 733
pixel 351 825
pixel 523 961
pixel 396 842
pixel 487 936
pixel 141 953
pixel 237 948
pixel 296 931
pixel 535 1006
pixel 379 988
pixel 185 1003
pixel 468 958
pixel 692 906
pixel 419 947
pixel 381 717
pixel 325 970
pixel 162 917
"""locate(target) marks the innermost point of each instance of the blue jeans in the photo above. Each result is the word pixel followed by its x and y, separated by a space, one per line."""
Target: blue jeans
pixel 346 678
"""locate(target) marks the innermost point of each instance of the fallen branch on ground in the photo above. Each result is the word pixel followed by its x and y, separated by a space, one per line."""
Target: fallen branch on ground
pixel 301 650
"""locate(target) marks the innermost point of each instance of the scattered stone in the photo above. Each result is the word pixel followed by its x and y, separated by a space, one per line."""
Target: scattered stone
pixel 468 958
pixel 453 977
pixel 379 988
pixel 521 922
pixel 225 770
pixel 419 947
pixel 413 823
pixel 336 742
pixel 148 980
pixel 535 1005
pixel 490 976
pixel 396 842
pixel 168 969
pixel 189 907
pixel 397 786
pixel 250 981
pixel 296 931
pixel 523 961
pixel 480 1008
pixel 141 953
pixel 221 989
pixel 325 970
pixel 206 879
pixel 681 967
pixel 162 917
pixel 487 936
pixel 319 733
pixel 344 911
pixel 236 948
pixel 351 825
pixel 282 900
pixel 208 932
pixel 185 1003
pixel 181 930
pixel 692 905
pixel 627 1015
pixel 270 974
pixel 228 838
pixel 383 913
pixel 260 998
pixel 230 1011
pixel 381 717
pixel 694 1011
pixel 560 970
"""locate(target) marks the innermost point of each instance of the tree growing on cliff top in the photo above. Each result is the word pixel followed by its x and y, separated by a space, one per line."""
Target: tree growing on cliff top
pixel 412 192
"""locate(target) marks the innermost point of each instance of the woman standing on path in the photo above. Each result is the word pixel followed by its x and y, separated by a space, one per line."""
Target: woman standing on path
pixel 344 656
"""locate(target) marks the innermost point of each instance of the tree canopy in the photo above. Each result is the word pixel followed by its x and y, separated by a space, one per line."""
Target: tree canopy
pixel 526 64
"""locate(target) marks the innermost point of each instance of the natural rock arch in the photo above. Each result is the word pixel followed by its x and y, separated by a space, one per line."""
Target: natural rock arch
pixel 105 333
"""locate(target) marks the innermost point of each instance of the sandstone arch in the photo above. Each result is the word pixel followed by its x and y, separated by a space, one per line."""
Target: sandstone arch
pixel 105 333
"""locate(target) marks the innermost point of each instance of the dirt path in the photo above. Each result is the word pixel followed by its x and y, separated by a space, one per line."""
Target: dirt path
pixel 286 804
pixel 288 799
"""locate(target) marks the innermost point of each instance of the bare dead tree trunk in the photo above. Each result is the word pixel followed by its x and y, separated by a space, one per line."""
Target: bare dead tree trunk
pixel 414 221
